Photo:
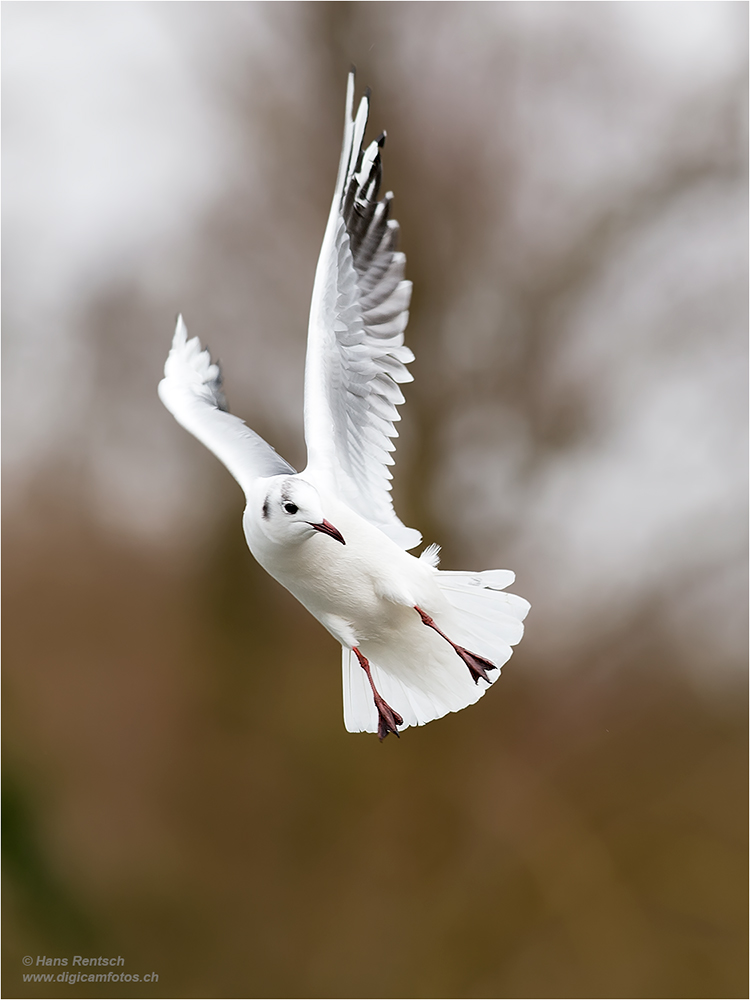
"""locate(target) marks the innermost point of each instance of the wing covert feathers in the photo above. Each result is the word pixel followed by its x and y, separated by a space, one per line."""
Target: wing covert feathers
pixel 192 391
pixel 356 355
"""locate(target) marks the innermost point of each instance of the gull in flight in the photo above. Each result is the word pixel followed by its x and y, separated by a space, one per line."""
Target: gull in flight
pixel 417 642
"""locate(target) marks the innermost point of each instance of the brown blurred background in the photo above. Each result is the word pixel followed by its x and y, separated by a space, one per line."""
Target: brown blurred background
pixel 179 789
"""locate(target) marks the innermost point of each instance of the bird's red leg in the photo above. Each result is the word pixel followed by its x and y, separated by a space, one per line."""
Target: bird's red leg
pixel 388 720
pixel 478 665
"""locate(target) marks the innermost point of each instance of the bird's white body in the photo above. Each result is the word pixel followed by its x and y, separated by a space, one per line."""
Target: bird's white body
pixel 352 588
pixel 365 591
pixel 329 534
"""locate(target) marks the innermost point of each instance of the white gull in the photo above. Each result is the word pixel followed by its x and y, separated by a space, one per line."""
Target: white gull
pixel 417 642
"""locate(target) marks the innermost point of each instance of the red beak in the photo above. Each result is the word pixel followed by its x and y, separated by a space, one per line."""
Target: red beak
pixel 328 529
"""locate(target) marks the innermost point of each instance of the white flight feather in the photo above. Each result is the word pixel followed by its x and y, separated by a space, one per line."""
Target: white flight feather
pixel 428 681
pixel 191 391
pixel 355 348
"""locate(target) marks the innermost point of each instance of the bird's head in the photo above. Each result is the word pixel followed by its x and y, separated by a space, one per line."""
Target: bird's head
pixel 290 510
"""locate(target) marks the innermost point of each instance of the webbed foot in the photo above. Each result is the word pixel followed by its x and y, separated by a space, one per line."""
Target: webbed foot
pixel 388 719
pixel 478 665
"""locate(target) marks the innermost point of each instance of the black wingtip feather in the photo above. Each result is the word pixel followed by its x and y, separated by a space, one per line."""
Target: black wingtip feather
pixel 371 232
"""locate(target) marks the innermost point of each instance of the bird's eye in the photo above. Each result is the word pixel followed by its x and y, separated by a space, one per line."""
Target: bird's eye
pixel 291 508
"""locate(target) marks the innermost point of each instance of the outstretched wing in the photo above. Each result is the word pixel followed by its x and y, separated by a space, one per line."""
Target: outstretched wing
pixel 191 391
pixel 355 347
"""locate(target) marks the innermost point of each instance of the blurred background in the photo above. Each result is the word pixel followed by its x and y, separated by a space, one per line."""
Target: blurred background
pixel 179 789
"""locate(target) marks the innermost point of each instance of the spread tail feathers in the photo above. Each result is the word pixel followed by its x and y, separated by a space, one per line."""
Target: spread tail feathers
pixel 423 678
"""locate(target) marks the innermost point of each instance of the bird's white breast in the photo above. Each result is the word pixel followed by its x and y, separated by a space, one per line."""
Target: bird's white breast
pixel 358 590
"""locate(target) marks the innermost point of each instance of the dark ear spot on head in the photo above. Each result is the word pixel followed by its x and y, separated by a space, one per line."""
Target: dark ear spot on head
pixel 266 510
